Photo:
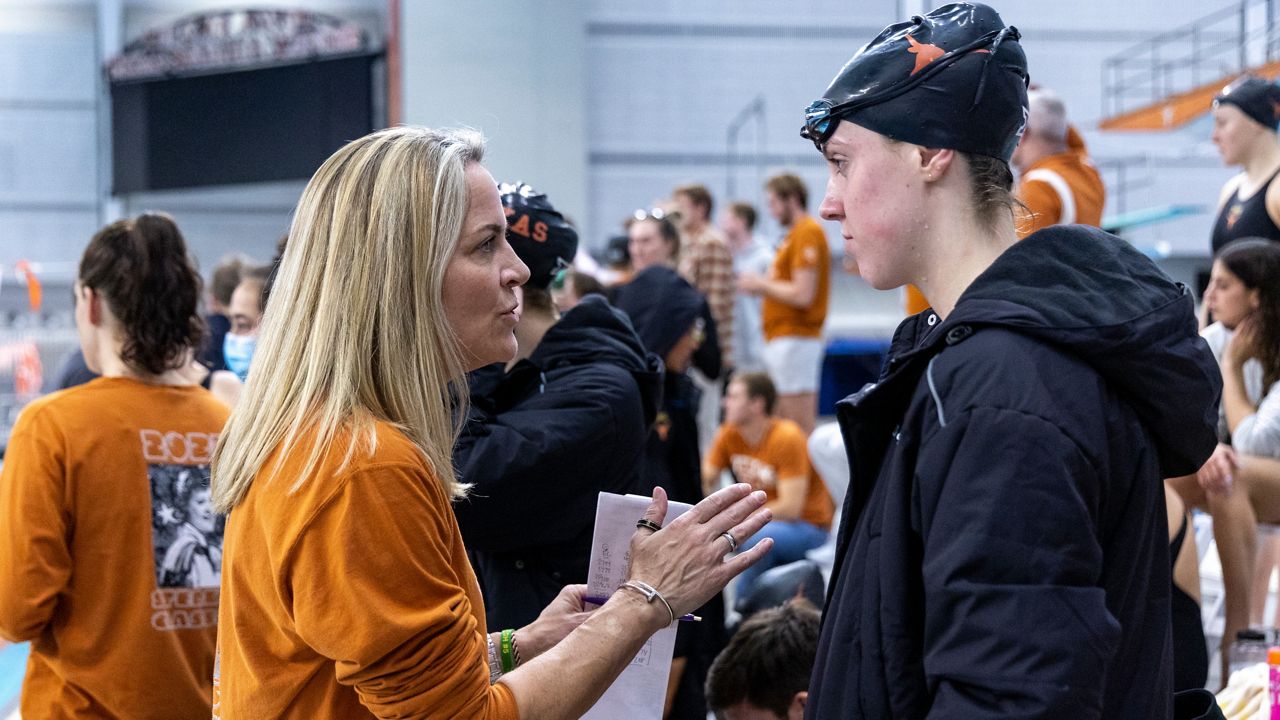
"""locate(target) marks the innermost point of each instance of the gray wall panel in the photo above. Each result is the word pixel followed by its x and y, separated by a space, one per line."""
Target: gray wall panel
pixel 55 235
pixel 680 94
pixel 759 12
pixel 47 155
pixel 47 67
pixel 514 70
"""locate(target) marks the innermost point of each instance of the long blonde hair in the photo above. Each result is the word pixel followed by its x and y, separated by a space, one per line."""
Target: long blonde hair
pixel 355 331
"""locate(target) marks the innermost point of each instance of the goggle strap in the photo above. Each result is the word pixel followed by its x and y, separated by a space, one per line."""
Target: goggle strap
pixel 995 46
pixel 993 38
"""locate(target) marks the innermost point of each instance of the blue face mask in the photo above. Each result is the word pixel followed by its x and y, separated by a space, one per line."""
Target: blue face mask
pixel 237 351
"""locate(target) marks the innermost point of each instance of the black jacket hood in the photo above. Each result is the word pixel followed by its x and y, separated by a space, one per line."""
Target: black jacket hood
pixel 662 306
pixel 1094 296
pixel 591 332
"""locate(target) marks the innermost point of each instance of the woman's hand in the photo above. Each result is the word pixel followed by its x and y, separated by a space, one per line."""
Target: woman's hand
pixel 559 619
pixel 750 283
pixel 685 561
pixel 1218 471
pixel 1242 346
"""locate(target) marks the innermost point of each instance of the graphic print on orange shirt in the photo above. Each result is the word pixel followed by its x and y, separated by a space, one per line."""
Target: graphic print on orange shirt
pixel 758 473
pixel 186 533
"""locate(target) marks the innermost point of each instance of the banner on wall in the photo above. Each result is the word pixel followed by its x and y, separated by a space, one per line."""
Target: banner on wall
pixel 236 39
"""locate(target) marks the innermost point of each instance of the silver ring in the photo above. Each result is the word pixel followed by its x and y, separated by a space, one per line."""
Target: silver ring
pixel 733 544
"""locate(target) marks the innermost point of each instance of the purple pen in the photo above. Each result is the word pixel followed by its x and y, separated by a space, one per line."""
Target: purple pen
pixel 601 601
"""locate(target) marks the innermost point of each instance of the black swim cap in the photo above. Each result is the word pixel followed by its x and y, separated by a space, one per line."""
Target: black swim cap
pixel 1257 98
pixel 538 233
pixel 955 78
pixel 616 251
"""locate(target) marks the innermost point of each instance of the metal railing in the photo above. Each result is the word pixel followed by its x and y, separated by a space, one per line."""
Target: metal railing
pixel 1224 43
pixel 754 110
pixel 30 358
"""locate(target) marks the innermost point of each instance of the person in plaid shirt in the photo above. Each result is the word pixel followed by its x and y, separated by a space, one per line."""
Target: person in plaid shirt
pixel 706 262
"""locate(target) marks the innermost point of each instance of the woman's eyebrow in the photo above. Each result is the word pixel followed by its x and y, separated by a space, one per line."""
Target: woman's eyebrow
pixel 490 227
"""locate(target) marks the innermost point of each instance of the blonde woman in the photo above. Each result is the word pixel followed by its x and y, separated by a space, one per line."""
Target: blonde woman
pixel 347 592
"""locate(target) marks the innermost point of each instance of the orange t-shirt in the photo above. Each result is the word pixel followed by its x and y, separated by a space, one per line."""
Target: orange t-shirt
pixel 805 248
pixel 110 550
pixel 782 452
pixel 1061 189
pixel 352 597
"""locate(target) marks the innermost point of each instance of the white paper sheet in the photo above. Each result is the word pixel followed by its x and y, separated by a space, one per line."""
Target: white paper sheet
pixel 641 689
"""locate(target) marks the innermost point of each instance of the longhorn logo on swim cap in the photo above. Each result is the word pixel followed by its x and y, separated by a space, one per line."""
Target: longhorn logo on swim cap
pixel 925 54
pixel 960 84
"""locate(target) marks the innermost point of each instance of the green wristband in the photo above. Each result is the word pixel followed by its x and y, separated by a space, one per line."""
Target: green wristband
pixel 505 648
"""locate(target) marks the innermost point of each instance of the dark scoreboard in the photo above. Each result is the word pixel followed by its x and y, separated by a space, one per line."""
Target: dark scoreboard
pixel 270 123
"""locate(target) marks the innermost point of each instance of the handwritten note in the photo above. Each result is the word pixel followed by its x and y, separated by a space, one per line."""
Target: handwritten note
pixel 639 692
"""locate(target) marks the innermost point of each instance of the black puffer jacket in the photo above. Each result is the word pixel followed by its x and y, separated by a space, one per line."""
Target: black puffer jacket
pixel 541 442
pixel 1003 551
pixel 663 306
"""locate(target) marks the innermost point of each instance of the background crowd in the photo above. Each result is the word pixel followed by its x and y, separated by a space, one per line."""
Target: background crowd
pixel 682 362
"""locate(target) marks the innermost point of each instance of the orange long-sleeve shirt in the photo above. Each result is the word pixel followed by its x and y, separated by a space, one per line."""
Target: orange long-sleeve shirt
pixel 1061 189
pixel 352 597
pixel 109 550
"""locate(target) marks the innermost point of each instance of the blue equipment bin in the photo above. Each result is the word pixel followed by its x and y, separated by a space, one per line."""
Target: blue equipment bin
pixel 849 364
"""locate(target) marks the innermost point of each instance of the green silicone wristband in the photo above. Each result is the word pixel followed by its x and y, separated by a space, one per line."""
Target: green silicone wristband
pixel 508 657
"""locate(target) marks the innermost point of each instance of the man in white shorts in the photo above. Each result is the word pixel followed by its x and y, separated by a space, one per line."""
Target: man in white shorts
pixel 795 302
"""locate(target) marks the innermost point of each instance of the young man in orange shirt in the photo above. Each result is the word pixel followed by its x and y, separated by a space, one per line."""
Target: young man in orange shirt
pixel 772 455
pixel 795 302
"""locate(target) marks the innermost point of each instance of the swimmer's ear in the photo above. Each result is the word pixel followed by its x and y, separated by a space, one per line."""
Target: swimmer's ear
pixel 935 162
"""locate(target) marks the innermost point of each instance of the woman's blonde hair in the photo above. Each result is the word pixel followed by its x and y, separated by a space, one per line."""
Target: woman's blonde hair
pixel 355 331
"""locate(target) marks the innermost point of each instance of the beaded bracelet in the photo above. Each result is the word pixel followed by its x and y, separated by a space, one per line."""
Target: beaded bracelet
pixel 495 664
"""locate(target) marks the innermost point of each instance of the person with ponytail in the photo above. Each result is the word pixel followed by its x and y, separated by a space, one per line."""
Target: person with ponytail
pixel 97 491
